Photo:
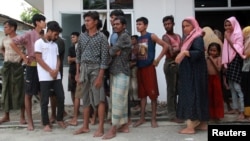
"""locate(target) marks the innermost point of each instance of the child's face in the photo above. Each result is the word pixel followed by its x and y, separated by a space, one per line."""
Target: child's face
pixel 133 40
pixel 213 51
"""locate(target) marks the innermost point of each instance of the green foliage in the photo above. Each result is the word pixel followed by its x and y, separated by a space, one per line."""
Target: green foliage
pixel 26 15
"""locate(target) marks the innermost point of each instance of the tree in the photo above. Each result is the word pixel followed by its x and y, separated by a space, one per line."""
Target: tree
pixel 27 14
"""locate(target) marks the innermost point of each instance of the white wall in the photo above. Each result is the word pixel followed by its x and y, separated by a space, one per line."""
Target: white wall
pixel 154 10
pixel 54 8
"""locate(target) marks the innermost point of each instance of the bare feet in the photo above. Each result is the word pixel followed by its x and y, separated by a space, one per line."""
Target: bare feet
pixel 139 122
pixel 232 112
pixel 22 121
pixel 154 124
pixel 73 122
pixel 81 131
pixel 111 134
pixel 124 128
pixel 47 128
pixel 4 119
pixel 137 107
pixel 30 126
pixel 187 131
pixel 52 120
pixel 241 116
pixel 98 133
pixel 92 121
pixel 202 126
pixel 62 124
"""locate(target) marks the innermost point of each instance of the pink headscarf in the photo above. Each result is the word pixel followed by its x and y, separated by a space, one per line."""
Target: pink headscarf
pixel 197 31
pixel 236 37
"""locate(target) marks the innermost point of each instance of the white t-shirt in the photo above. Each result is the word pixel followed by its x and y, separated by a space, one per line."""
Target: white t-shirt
pixel 49 51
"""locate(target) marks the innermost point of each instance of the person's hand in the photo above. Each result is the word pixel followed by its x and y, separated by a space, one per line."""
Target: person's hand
pixel 53 73
pixel 98 82
pixel 118 53
pixel 25 60
pixel 156 62
pixel 209 57
pixel 77 78
pixel 244 56
pixel 179 57
pixel 29 60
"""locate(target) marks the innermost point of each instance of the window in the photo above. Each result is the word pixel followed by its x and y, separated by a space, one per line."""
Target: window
pixel 121 4
pixel 104 7
pixel 240 2
pixel 70 23
pixel 102 4
pixel 211 3
pixel 94 4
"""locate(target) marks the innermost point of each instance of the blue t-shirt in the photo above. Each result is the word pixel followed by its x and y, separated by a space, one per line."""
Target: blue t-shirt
pixel 146 53
pixel 113 38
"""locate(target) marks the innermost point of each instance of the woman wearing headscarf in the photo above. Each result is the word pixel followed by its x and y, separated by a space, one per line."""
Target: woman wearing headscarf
pixel 193 86
pixel 245 82
pixel 232 60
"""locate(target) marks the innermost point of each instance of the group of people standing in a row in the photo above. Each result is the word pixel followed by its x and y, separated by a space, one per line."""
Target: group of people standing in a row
pixel 205 64
pixel 43 71
pixel 191 70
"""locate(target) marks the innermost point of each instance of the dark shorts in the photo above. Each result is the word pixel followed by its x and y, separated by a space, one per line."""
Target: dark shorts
pixel 32 85
pixel 71 83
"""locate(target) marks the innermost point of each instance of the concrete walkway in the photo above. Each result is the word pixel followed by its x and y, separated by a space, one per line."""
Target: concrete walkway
pixel 167 131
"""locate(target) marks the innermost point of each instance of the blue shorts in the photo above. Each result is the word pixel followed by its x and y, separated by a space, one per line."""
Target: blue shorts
pixel 32 85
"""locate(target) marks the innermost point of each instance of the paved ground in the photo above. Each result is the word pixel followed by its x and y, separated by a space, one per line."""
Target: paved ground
pixel 167 131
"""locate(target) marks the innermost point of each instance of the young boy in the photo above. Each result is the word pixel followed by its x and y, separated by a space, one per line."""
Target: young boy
pixel 133 89
pixel 47 56
pixel 72 84
pixel 31 80
pixel 13 76
pixel 146 62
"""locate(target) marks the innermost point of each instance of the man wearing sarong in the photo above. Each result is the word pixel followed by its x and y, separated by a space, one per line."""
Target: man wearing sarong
pixel 120 75
pixel 92 59
pixel 13 76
